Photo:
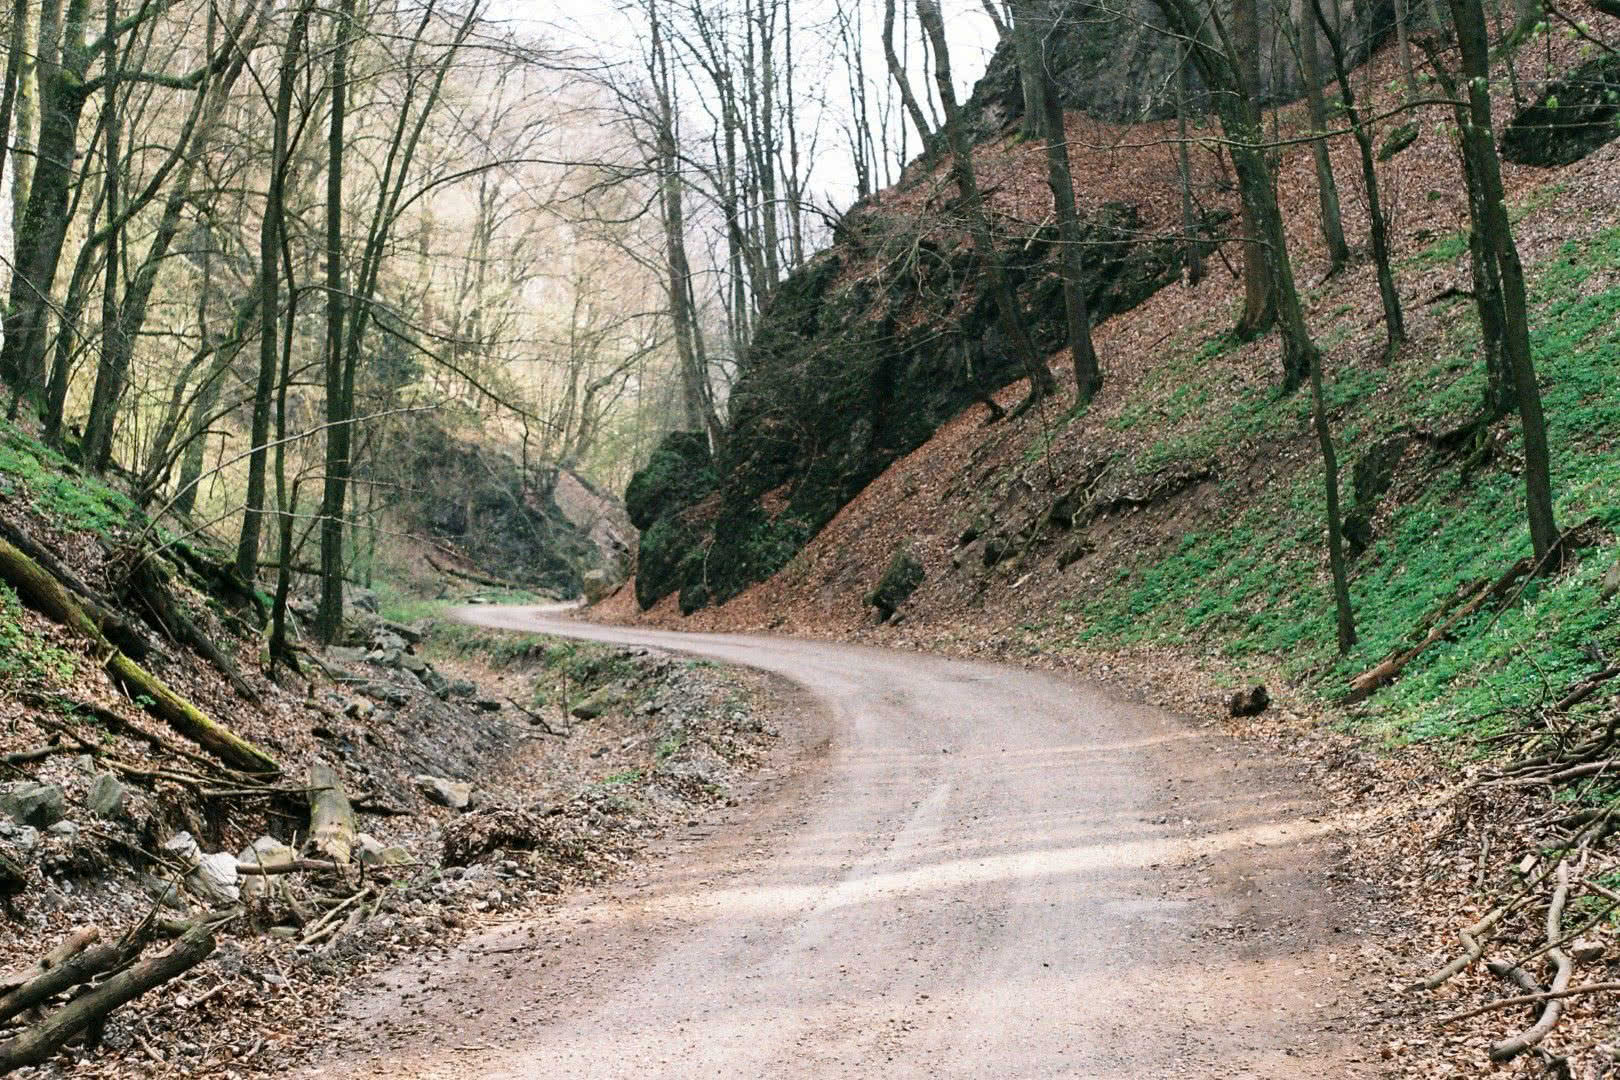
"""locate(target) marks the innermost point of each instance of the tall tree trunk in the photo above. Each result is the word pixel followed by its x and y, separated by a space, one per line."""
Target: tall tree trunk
pixel 1191 247
pixel 1029 30
pixel 1495 231
pixel 247 547
pixel 339 390
pixel 64 93
pixel 902 81
pixel 1041 382
pixel 1259 299
pixel 109 374
pixel 1327 189
pixel 26 132
pixel 1029 25
pixel 1378 229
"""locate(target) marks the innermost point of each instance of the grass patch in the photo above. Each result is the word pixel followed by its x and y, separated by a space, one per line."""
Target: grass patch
pixel 1259 585
pixel 32 472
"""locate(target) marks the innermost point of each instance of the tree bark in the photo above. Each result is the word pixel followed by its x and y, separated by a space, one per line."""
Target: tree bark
pixel 247 547
pixel 1327 189
pixel 1495 231
pixel 902 81
pixel 1259 299
pixel 339 390
pixel 331 818
pixel 1028 25
pixel 1389 296
pixel 36 1045
pixel 1041 382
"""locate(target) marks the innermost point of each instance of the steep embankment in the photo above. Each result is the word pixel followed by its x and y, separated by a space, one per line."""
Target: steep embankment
pixel 292 828
pixel 1171 536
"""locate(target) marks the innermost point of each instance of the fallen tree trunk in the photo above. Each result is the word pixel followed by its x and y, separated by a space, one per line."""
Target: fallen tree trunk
pixel 81 968
pixel 331 818
pixel 117 629
pixel 73 944
pixel 149 585
pixel 36 1045
pixel 1381 673
pixel 478 579
pixel 44 593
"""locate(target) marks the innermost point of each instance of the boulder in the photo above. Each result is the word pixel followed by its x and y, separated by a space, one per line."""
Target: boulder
pixel 597 704
pixel 266 851
pixel 436 684
pixel 30 803
pixel 373 852
pixel 463 688
pixel 596 585
pixel 211 878
pixel 456 794
pixel 107 797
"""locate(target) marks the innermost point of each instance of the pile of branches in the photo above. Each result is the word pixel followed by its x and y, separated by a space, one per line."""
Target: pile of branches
pixel 70 991
pixel 1558 799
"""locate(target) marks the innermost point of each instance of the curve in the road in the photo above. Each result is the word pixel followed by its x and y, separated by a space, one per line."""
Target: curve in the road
pixel 992 873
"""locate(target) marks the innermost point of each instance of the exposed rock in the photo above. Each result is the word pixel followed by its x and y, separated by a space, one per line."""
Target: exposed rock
pixel 463 688
pixel 267 852
pixel 358 709
pixel 386 693
pixel 596 586
pixel 1252 702
pixel 64 828
pixel 211 878
pixel 597 704
pixel 869 365
pixel 28 803
pixel 456 794
pixel 373 852
pixel 905 572
pixel 436 684
pixel 107 797
pixel 1586 950
pixel 1571 118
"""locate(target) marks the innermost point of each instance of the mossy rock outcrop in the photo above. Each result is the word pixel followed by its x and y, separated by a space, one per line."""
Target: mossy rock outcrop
pixel 858 359
pixel 904 573
pixel 1572 118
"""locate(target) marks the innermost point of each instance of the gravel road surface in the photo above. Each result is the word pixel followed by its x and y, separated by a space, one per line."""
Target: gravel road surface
pixel 956 870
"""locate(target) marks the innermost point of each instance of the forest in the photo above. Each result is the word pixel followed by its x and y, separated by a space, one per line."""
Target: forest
pixel 1217 343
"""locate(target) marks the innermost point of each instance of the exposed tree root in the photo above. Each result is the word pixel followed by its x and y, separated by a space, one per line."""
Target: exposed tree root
pixel 1508 1049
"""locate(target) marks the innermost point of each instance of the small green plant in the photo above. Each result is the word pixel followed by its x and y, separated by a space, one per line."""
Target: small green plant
pixel 27 657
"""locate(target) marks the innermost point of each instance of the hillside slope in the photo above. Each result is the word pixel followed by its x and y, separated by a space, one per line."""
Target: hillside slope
pixel 1172 536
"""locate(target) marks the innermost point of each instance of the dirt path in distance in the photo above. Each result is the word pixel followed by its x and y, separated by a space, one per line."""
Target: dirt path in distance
pixel 974 871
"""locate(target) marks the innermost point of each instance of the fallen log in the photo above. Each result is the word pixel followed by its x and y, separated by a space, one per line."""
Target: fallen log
pixel 331 818
pixel 149 586
pixel 70 946
pixel 36 1044
pixel 117 629
pixel 297 866
pixel 478 579
pixel 1383 672
pixel 44 593
pixel 81 968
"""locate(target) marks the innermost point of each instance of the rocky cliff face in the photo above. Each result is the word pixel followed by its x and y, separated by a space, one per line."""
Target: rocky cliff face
pixel 859 358
pixel 1120 64
pixel 545 526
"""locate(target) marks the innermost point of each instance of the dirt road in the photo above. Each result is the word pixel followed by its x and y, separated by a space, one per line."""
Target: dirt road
pixel 971 871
